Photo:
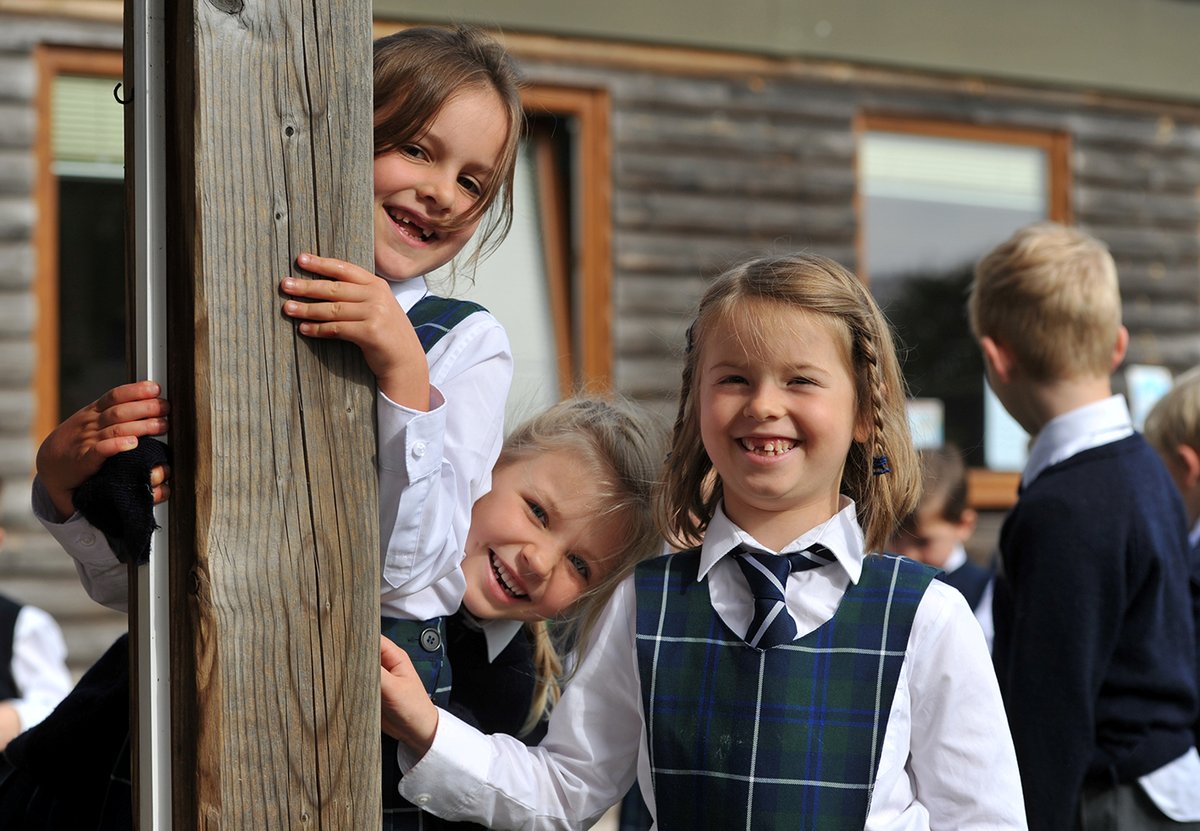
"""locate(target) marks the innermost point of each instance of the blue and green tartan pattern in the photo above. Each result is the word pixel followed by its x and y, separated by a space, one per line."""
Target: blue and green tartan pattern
pixel 786 737
pixel 434 316
pixel 434 670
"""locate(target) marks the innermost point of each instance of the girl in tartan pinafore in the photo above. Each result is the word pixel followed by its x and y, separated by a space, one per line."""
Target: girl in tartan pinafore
pixel 854 692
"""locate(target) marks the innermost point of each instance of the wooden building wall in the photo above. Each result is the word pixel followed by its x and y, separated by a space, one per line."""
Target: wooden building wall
pixel 714 157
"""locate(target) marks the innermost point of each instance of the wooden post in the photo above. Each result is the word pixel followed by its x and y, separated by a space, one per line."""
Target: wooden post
pixel 274 518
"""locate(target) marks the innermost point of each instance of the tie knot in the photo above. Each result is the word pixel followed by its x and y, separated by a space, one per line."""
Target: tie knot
pixel 778 566
pixel 766 575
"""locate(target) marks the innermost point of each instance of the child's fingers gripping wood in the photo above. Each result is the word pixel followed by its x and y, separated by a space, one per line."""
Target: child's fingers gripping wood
pixel 357 306
pixel 406 712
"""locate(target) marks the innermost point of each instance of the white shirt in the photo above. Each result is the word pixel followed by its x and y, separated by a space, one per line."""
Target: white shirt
pixel 1064 436
pixel 39 666
pixel 432 467
pixel 947 760
pixel 983 609
pixel 1172 787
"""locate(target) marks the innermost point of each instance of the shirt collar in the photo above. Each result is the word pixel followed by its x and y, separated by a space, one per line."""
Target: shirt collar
pixel 956 559
pixel 840 533
pixel 408 292
pixel 1064 436
pixel 497 634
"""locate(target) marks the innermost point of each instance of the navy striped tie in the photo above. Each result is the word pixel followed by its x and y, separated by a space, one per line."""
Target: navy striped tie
pixel 767 574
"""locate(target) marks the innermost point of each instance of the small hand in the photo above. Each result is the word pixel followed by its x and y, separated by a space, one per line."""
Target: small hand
pixel 407 714
pixel 358 306
pixel 76 449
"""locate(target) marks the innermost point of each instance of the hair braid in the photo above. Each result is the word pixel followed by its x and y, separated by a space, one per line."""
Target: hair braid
pixel 547 672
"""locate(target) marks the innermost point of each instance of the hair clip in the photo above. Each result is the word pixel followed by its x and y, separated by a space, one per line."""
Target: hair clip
pixel 880 465
pixel 688 349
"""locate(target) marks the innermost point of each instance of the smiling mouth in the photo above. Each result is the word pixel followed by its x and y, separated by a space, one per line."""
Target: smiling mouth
pixel 766 447
pixel 505 578
pixel 406 224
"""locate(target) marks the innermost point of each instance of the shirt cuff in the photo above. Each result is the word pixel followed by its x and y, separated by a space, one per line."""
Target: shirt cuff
pixel 411 440
pixel 460 754
pixel 75 534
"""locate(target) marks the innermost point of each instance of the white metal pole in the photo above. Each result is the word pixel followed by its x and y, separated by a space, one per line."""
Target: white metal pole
pixel 149 241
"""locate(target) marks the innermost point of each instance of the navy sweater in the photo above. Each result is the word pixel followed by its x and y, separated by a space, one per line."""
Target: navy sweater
pixel 1094 646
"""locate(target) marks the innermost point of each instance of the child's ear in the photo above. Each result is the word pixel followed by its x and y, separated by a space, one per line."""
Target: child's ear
pixel 1189 458
pixel 997 356
pixel 966 524
pixel 1120 347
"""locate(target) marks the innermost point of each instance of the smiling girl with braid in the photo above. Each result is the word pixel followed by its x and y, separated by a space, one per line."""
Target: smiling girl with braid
pixel 775 674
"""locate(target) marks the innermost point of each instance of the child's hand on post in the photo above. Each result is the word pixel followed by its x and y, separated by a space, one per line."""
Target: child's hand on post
pixel 358 306
pixel 407 714
pixel 76 449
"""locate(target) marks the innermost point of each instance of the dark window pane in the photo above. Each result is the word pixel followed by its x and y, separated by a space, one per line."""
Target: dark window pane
pixel 91 271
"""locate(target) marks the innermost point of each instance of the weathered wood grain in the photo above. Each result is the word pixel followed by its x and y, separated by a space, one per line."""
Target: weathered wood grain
pixel 276 539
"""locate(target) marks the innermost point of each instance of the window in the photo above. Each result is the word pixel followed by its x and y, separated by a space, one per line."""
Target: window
pixel 933 198
pixel 80 335
pixel 549 283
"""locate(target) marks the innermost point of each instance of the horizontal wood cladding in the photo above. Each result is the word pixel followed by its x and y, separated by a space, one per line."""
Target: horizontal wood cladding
pixel 711 168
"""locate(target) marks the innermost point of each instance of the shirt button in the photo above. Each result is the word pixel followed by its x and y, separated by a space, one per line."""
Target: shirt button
pixel 87 538
pixel 422 799
pixel 431 640
pixel 419 449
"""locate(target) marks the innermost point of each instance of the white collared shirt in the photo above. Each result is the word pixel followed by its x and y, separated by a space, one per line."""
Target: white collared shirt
pixel 39 666
pixel 947 737
pixel 432 467
pixel 1064 436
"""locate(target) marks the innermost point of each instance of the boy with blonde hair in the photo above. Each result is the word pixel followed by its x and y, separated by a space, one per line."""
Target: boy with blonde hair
pixel 1173 428
pixel 1094 645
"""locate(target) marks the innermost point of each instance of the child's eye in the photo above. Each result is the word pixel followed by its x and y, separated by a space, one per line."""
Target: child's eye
pixel 470 186
pixel 538 511
pixel 413 151
pixel 732 379
pixel 801 381
pixel 581 566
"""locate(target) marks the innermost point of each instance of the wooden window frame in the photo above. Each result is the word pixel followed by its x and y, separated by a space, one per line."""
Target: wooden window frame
pixel 986 489
pixel 585 349
pixel 52 61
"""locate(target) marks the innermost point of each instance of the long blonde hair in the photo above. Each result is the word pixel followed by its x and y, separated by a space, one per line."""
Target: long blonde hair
pixel 819 286
pixel 623 446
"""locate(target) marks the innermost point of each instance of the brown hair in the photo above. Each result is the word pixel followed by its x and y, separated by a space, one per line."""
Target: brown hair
pixel 944 483
pixel 1049 293
pixel 821 287
pixel 416 72
pixel 623 447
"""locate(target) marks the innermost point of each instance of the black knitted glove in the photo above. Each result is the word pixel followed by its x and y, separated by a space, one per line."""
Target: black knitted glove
pixel 119 501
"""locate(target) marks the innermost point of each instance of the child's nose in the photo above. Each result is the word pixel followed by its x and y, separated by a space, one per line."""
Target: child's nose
pixel 437 190
pixel 538 560
pixel 763 404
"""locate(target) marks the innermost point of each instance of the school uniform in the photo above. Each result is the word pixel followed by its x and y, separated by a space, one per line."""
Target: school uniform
pixel 974 582
pixel 1094 648
pixel 33 661
pixel 944 751
pixel 494 680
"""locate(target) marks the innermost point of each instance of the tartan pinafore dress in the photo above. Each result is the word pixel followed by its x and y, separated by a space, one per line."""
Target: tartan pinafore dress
pixel 788 737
